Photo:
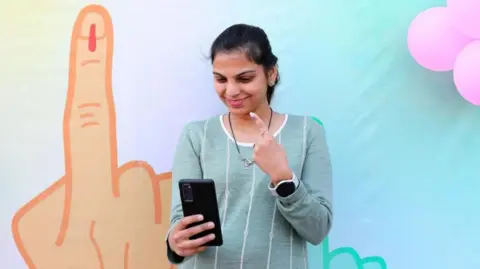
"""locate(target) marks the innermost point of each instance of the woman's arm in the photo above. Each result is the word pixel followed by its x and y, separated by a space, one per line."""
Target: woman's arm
pixel 309 208
pixel 186 164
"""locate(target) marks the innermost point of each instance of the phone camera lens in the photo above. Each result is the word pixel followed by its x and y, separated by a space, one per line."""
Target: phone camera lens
pixel 187 193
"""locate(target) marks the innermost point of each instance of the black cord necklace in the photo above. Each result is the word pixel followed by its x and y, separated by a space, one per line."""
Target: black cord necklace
pixel 246 161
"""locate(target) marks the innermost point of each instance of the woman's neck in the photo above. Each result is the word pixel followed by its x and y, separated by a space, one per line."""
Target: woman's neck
pixel 245 121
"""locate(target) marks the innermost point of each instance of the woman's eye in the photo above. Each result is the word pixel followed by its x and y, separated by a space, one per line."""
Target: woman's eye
pixel 221 80
pixel 245 80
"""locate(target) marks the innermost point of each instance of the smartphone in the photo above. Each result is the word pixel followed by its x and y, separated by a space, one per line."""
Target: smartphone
pixel 199 197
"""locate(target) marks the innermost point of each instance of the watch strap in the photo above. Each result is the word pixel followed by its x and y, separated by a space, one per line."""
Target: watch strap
pixel 273 189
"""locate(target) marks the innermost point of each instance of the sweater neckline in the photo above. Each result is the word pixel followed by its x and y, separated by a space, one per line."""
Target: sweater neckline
pixel 245 144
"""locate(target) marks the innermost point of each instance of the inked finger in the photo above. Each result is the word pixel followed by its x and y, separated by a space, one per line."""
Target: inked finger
pixel 89 120
pixel 259 122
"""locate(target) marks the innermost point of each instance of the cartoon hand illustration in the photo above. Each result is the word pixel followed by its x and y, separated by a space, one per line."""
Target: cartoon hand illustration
pixel 348 258
pixel 98 215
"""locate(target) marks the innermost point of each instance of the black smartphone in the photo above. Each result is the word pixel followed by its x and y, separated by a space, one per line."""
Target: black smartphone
pixel 199 197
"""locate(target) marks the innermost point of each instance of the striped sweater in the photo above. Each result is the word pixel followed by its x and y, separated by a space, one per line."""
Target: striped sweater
pixel 259 229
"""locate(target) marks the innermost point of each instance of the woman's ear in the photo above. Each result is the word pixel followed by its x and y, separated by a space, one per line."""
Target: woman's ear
pixel 272 75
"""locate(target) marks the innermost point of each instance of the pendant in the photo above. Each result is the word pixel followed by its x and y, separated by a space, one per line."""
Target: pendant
pixel 247 163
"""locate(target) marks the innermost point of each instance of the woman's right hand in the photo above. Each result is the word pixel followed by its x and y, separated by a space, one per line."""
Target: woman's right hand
pixel 179 238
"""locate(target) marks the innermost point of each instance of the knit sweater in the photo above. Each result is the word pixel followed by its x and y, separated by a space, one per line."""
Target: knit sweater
pixel 259 230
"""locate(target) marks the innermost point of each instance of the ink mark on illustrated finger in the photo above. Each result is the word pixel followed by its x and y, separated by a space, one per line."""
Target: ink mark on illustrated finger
pixel 92 38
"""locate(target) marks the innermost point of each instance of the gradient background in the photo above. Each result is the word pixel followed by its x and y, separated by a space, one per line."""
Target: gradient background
pixel 404 144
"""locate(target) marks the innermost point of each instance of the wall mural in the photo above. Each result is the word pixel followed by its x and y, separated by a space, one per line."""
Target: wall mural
pixel 101 214
pixel 90 124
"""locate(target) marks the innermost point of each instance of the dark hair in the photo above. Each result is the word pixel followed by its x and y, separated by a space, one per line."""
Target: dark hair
pixel 251 39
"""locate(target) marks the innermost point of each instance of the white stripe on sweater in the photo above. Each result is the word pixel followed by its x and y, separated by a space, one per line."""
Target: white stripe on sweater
pixel 273 219
pixel 227 170
pixel 304 143
pixel 203 148
pixel 304 153
pixel 245 233
pixel 204 169
pixel 291 247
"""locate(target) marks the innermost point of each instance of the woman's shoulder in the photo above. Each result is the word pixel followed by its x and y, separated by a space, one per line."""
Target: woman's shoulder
pixel 309 128
pixel 305 120
pixel 199 126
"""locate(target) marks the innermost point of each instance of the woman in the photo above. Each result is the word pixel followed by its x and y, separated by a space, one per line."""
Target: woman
pixel 272 171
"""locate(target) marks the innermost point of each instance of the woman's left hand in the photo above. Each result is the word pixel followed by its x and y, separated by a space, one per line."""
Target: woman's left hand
pixel 269 155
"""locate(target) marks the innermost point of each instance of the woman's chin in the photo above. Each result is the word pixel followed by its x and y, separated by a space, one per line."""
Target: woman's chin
pixel 242 110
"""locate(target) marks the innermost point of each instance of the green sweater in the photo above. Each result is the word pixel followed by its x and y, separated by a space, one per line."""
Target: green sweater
pixel 259 230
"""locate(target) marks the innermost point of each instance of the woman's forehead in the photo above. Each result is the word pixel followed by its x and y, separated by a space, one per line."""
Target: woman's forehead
pixel 233 63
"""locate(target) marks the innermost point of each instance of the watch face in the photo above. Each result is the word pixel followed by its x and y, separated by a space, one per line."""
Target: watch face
pixel 286 189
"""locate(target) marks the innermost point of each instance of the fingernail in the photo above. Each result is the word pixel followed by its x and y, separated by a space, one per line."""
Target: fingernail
pixel 252 115
pixel 200 217
pixel 92 38
pixel 211 225
pixel 92 29
pixel 212 236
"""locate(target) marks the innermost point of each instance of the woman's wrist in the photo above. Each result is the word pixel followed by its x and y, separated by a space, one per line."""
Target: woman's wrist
pixel 281 175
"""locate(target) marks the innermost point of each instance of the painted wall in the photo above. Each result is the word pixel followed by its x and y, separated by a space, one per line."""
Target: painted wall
pixel 404 144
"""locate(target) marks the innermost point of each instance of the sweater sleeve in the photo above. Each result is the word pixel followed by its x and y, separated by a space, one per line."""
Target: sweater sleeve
pixel 186 164
pixel 309 208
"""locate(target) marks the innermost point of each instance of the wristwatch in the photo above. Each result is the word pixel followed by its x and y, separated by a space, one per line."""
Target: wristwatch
pixel 285 187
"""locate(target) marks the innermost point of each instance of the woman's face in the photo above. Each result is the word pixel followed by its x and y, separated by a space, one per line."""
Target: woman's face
pixel 240 83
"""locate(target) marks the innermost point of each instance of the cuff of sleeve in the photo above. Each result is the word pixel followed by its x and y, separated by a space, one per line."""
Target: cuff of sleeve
pixel 173 258
pixel 172 225
pixel 273 189
pixel 299 194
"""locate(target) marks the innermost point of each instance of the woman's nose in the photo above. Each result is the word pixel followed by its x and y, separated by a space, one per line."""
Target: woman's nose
pixel 232 89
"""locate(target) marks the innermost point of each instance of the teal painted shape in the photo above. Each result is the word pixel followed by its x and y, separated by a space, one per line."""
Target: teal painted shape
pixel 348 258
pixel 318 121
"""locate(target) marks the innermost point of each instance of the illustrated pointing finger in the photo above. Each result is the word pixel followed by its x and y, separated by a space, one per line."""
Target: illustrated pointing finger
pixel 260 124
pixel 89 120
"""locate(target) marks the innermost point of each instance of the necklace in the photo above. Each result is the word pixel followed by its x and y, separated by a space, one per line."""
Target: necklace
pixel 246 161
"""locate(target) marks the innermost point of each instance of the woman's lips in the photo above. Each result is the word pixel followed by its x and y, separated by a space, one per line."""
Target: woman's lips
pixel 236 103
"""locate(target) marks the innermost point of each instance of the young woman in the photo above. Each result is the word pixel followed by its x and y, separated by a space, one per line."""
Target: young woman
pixel 272 171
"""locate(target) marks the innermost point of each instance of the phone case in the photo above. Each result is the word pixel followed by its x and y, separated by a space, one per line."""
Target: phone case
pixel 199 197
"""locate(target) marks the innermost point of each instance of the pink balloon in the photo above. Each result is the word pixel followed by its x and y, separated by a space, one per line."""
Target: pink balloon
pixel 433 42
pixel 465 16
pixel 466 73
